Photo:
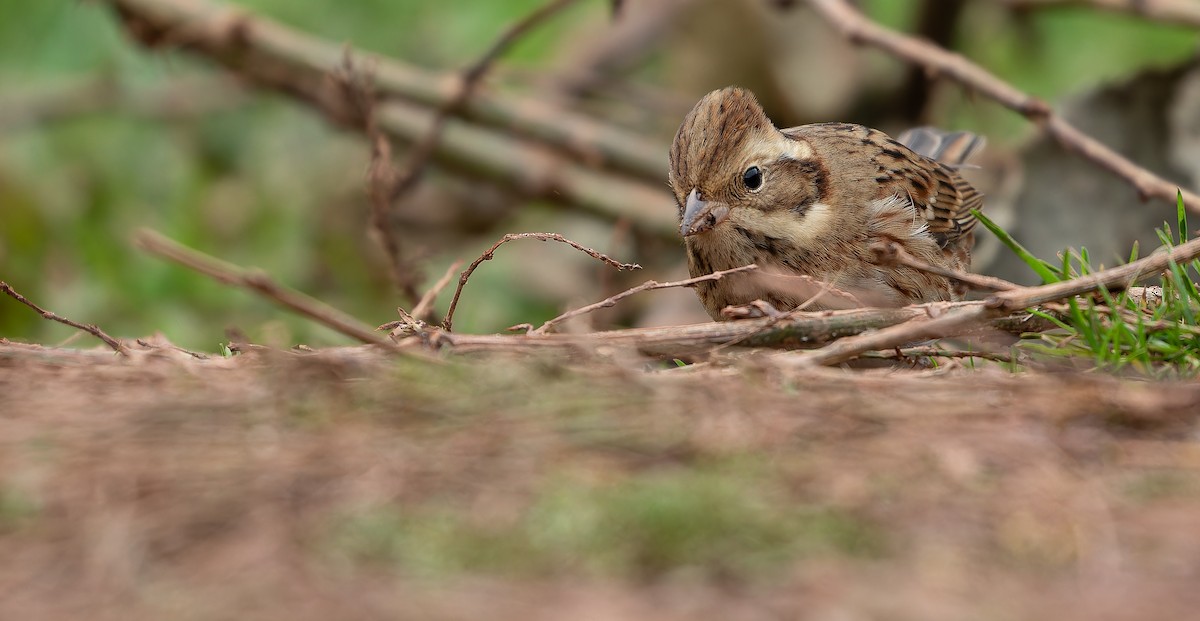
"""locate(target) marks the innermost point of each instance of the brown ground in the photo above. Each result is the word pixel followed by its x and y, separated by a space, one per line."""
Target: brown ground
pixel 341 485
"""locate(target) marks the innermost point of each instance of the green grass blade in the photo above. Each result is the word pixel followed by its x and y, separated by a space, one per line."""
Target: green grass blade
pixel 1040 267
pixel 1181 216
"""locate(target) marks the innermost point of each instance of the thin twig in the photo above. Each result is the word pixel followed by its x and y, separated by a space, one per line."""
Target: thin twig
pixel 936 352
pixel 802 330
pixel 892 253
pixel 965 318
pixel 1113 279
pixel 423 308
pixel 448 322
pixel 522 144
pixel 195 354
pixel 387 185
pixel 1177 12
pixel 858 28
pixel 157 244
pixel 90 328
pixel 649 285
pixel 357 85
pixel 956 320
pixel 469 80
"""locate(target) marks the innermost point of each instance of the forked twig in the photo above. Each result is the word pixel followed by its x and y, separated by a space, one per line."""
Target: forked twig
pixel 159 245
pixel 858 28
pixel 649 285
pixel 448 322
pixel 90 328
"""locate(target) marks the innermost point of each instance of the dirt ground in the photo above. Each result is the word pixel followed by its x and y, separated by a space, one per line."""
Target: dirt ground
pixel 342 484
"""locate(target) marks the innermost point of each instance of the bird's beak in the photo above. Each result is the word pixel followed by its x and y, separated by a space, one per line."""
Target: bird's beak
pixel 700 215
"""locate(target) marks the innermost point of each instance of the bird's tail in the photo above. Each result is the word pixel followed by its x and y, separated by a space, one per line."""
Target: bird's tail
pixel 950 148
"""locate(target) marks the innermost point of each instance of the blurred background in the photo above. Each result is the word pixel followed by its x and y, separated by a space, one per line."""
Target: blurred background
pixel 100 136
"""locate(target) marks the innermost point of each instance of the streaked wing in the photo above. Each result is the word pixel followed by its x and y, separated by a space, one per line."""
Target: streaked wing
pixel 937 192
pixel 931 180
pixel 950 148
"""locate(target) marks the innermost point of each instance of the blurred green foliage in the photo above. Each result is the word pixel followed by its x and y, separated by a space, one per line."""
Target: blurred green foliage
pixel 713 520
pixel 266 183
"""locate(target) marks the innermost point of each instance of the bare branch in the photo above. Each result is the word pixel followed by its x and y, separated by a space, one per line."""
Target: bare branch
pixel 388 186
pixel 937 352
pixel 357 87
pixel 89 328
pixel 420 154
pixel 859 29
pixel 891 253
pixel 448 322
pixel 962 319
pixel 795 330
pixel 157 244
pixel 563 156
pixel 649 285
pixel 1177 12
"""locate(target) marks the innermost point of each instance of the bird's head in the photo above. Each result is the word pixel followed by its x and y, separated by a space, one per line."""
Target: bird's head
pixel 730 163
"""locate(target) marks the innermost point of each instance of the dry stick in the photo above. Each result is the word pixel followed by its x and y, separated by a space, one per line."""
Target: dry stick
pixel 91 329
pixel 182 99
pixel 1178 12
pixel 249 43
pixel 888 253
pixel 857 28
pixel 802 330
pixel 195 354
pixel 649 285
pixel 521 144
pixel 388 187
pixel 448 322
pixel 157 244
pixel 425 306
pixel 934 352
pixel 470 79
pixel 358 88
pixel 962 319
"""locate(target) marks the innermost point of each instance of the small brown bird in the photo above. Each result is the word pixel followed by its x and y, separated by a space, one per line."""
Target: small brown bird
pixel 811 201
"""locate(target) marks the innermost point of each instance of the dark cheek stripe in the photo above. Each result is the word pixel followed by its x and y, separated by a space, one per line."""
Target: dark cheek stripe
pixel 817 177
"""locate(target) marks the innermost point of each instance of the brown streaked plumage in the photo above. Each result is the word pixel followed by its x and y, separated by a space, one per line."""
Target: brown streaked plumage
pixel 811 200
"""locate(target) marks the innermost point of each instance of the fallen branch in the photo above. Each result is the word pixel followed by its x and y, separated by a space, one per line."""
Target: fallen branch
pixel 936 352
pixel 1177 12
pixel 299 65
pixel 857 28
pixel 157 244
pixel 90 328
pixel 649 285
pixel 471 77
pixel 448 322
pixel 387 185
pixel 181 99
pixel 796 330
pixel 962 319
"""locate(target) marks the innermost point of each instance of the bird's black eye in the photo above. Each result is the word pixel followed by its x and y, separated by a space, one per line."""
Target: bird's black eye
pixel 752 178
